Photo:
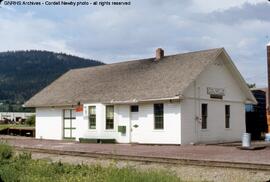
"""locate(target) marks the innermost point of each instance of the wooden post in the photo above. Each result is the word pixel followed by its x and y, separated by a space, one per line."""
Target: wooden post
pixel 268 92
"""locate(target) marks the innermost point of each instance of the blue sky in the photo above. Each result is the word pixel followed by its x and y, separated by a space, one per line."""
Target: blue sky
pixel 113 34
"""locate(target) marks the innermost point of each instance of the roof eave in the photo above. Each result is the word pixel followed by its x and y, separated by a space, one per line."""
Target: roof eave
pixel 143 100
pixel 48 105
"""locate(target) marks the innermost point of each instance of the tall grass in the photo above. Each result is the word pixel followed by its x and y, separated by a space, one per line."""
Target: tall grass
pixel 6 151
pixel 23 168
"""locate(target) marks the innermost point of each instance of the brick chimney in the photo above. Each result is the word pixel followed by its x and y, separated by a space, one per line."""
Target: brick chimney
pixel 159 54
pixel 268 90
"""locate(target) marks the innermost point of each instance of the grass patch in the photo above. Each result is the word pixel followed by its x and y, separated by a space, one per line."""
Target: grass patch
pixel 23 168
pixel 6 151
pixel 5 126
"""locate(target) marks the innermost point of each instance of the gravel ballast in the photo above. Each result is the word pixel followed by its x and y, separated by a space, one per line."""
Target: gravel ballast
pixel 185 172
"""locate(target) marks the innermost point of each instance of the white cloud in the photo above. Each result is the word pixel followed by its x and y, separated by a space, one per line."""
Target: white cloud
pixel 22 31
pixel 208 6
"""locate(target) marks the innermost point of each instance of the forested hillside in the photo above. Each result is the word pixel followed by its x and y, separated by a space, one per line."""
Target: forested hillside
pixel 24 73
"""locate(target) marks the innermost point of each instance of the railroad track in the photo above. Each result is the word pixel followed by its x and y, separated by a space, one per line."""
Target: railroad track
pixel 174 161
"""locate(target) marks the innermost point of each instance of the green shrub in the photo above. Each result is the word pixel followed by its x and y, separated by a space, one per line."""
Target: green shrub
pixel 6 151
pixel 31 121
pixel 8 173
pixel 23 168
pixel 24 156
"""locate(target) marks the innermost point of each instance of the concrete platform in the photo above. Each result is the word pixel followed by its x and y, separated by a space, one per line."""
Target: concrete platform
pixel 203 155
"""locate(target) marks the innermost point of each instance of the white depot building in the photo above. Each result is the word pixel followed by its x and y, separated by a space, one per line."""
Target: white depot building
pixel 178 99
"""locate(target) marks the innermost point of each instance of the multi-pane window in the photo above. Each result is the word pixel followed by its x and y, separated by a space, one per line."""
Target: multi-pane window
pixel 227 116
pixel 109 117
pixel 134 108
pixel 158 116
pixel 69 117
pixel 204 116
pixel 92 117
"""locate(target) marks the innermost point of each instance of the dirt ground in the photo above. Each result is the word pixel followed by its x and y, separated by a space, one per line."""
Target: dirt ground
pixel 185 172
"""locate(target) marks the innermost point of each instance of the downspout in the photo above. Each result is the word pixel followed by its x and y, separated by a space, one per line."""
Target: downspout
pixel 181 123
pixel 195 112
pixel 130 127
pixel 199 113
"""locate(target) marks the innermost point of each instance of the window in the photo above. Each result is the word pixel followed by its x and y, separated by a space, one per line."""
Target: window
pixel 227 116
pixel 158 116
pixel 69 116
pixel 92 117
pixel 204 116
pixel 109 117
pixel 250 108
pixel 134 108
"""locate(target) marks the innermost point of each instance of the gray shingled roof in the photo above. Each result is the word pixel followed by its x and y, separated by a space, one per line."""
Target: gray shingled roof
pixel 126 81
